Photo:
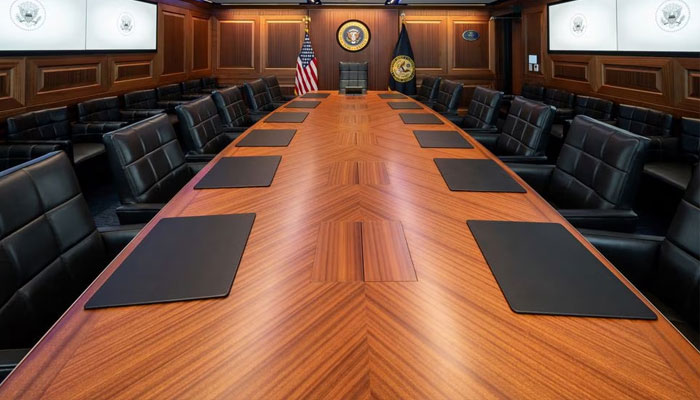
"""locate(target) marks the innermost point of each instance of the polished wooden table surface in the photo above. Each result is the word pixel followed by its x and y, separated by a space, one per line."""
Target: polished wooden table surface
pixel 360 279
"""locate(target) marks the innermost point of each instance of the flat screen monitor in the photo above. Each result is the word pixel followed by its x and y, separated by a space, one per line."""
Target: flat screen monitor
pixel 658 26
pixel 121 25
pixel 583 25
pixel 42 25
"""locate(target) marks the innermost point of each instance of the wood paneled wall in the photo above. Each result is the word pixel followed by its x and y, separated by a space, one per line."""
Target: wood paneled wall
pixel 184 48
pixel 670 84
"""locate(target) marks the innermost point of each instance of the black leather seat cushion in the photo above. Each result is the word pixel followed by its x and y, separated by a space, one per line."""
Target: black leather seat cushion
pixel 483 109
pixel 448 97
pixel 84 151
pixel 13 154
pixel 202 129
pixel 593 107
pixel 690 139
pixel 526 129
pixel 428 90
pixel 678 157
pixel 258 97
pixel 354 74
pixel 232 108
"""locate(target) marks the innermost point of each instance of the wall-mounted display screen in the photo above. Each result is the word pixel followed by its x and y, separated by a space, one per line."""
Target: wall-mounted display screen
pixel 121 25
pixel 619 26
pixel 77 25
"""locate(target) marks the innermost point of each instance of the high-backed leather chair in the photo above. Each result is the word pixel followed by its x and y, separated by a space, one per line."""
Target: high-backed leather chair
pixel 105 115
pixel 532 92
pixel 173 92
pixel 52 127
pixel 273 87
pixel 194 88
pixel 646 122
pixel 593 107
pixel 258 98
pixel 665 269
pixel 148 166
pixel 448 97
pixel 353 74
pixel 428 90
pixel 524 135
pixel 211 83
pixel 483 111
pixel 562 100
pixel 13 154
pixel 50 250
pixel 679 154
pixel 232 108
pixel 202 130
pixel 147 99
pixel 595 180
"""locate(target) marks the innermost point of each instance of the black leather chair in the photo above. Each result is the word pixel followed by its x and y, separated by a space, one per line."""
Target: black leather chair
pixel 523 137
pixel 13 154
pixel 211 83
pixel 258 98
pixel 679 154
pixel 50 250
pixel 428 90
pixel 273 87
pixel 103 115
pixel 532 92
pixel 147 99
pixel 193 88
pixel 483 111
pixel 593 107
pixel 232 108
pixel 148 166
pixel 203 131
pixel 646 122
pixel 353 74
pixel 665 269
pixel 448 97
pixel 52 127
pixel 173 92
pixel 595 180
pixel 563 101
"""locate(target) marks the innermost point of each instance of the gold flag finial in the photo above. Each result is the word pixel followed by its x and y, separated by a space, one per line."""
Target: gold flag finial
pixel 307 21
pixel 403 17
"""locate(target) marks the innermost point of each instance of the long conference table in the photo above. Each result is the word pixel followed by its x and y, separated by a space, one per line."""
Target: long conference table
pixel 360 278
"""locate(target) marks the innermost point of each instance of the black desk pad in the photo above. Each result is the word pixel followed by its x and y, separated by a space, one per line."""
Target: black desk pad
pixel 287 117
pixel 442 139
pixel 181 259
pixel 465 175
pixel 303 104
pixel 315 95
pixel 241 172
pixel 392 96
pixel 404 105
pixel 420 118
pixel 268 138
pixel 542 269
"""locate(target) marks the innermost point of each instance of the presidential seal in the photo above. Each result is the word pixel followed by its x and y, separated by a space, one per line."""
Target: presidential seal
pixel 403 69
pixel 125 23
pixel 353 35
pixel 28 15
pixel 672 15
pixel 578 25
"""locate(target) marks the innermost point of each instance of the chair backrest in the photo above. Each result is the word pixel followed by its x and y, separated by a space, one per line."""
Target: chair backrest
pixel 353 74
pixel 104 109
pixel 273 87
pixel 141 100
pixel 599 166
pixel 210 82
pixel 448 97
pixel 644 121
pixel 201 126
pixel 13 154
pixel 146 161
pixel 483 108
pixel 690 139
pixel 49 247
pixel 593 107
pixel 677 280
pixel 559 98
pixel 257 96
pixel 428 89
pixel 169 92
pixel 232 109
pixel 526 129
pixel 532 92
pixel 193 86
pixel 50 124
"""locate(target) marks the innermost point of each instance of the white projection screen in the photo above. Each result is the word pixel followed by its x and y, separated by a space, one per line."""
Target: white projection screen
pixel 582 25
pixel 42 25
pixel 121 25
pixel 658 26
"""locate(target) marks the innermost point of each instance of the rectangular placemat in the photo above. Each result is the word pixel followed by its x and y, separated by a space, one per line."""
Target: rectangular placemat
pixel 287 117
pixel 404 105
pixel 420 118
pixel 241 172
pixel 267 138
pixel 466 175
pixel 315 95
pixel 543 269
pixel 442 139
pixel 181 259
pixel 303 104
pixel 392 96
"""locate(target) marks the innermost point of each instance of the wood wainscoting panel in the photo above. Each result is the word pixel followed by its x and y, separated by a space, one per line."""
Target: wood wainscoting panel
pixel 68 77
pixel 11 80
pixel 640 79
pixel 61 78
pixel 174 49
pixel 647 79
pixel 200 43
pixel 575 71
pixel 281 39
pixel 236 44
pixel 128 71
pixel 429 42
pixel 694 84
pixel 533 26
pixel 471 54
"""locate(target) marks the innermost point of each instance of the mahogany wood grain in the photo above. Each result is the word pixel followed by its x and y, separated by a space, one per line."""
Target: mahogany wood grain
pixel 339 252
pixel 281 334
pixel 385 254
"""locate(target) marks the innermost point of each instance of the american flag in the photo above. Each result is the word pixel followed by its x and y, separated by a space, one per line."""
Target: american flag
pixel 306 79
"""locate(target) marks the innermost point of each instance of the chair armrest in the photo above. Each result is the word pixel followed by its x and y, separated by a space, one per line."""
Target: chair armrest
pixel 455 119
pixel 9 358
pixel 634 255
pixel 137 115
pixel 233 134
pixel 192 96
pixel 138 213
pixel 524 159
pixel 483 131
pixel 37 148
pixel 563 114
pixel 536 175
pixel 487 139
pixel 195 167
pixel 198 158
pixel 92 131
pixel 605 219
pixel 288 97
pixel 256 116
pixel 508 97
pixel 279 104
pixel 169 105
pixel 116 238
